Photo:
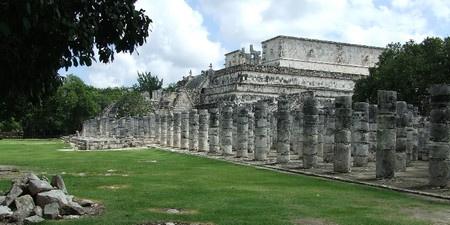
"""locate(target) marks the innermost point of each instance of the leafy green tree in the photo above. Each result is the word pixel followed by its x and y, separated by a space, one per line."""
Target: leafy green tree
pixel 408 69
pixel 37 38
pixel 132 103
pixel 148 83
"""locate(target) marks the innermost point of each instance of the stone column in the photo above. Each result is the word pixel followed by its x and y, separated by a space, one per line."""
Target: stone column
pixel 177 130
pixel 360 134
pixel 203 121
pixel 141 128
pixel 169 129
pixel 386 134
pixel 157 128
pixel 163 138
pixel 227 130
pixel 401 141
pixel 415 133
pixel 298 136
pixel 213 131
pixel 321 128
pixel 310 131
pixel 193 130
pixel 242 133
pixel 411 155
pixel 151 127
pixel 261 147
pixel 373 111
pixel 439 145
pixel 342 136
pixel 283 130
pixel 328 144
pixel 184 130
pixel 234 130
pixel 251 135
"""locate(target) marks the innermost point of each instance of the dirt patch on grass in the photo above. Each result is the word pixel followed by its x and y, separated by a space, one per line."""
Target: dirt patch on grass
pixel 8 172
pixel 313 221
pixel 114 187
pixel 174 223
pixel 435 216
pixel 173 211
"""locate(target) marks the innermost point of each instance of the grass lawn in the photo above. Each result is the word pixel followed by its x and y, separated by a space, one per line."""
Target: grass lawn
pixel 217 192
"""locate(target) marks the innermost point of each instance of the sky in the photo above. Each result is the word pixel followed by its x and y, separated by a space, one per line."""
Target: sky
pixel 190 34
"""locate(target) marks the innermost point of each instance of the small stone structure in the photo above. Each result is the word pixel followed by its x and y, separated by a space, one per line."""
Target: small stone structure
pixel 283 130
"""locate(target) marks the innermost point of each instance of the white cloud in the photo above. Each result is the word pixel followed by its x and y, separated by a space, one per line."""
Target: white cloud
pixel 355 21
pixel 178 42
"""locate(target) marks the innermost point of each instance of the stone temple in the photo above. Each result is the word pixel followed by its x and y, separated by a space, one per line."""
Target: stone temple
pixel 287 65
pixel 291 106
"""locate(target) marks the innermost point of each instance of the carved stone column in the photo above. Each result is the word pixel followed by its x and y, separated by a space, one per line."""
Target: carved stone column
pixel 251 134
pixel 439 135
pixel 177 130
pixel 373 111
pixel 169 129
pixel 227 130
pixel 342 136
pixel 310 132
pixel 163 141
pixel 214 130
pixel 193 130
pixel 283 130
pixel 386 134
pixel 184 130
pixel 261 123
pixel 401 142
pixel 360 134
pixel 203 121
pixel 242 133
pixel 328 147
pixel 157 127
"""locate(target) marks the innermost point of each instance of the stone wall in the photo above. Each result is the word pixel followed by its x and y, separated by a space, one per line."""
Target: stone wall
pixel 319 55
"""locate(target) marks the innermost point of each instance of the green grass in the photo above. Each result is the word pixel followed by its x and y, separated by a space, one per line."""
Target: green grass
pixel 221 193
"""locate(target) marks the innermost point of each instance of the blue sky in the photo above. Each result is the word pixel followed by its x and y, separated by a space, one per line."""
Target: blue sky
pixel 188 35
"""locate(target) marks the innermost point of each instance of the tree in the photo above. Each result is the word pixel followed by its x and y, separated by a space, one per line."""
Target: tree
pixel 39 37
pixel 147 82
pixel 408 69
pixel 132 103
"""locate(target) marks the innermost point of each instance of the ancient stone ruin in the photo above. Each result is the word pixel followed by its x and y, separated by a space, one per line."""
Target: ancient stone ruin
pixel 32 200
pixel 292 105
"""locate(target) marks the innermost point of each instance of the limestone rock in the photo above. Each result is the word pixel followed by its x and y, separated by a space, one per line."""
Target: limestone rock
pixel 53 196
pixel 38 186
pixel 51 211
pixel 25 206
pixel 72 208
pixel 85 202
pixel 15 192
pixel 58 182
pixel 37 211
pixel 2 199
pixel 33 219
pixel 5 212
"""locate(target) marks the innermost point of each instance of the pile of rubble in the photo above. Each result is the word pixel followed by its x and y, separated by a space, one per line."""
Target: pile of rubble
pixel 32 200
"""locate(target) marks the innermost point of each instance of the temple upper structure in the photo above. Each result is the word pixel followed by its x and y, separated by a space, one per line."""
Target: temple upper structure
pixel 286 65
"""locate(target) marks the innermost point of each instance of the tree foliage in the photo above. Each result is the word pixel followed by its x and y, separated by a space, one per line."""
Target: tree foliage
pixel 39 37
pixel 64 112
pixel 132 103
pixel 148 83
pixel 408 69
